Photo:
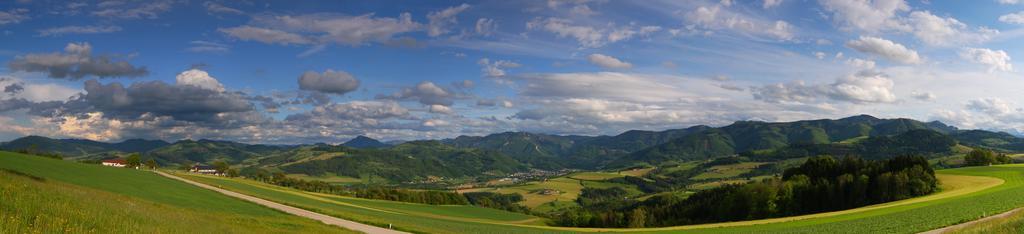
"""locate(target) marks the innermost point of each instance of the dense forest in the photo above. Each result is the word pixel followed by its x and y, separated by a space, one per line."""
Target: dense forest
pixel 820 184
pixel 983 157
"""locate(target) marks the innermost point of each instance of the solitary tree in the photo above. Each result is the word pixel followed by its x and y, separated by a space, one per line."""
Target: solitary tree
pixel 232 172
pixel 151 164
pixel 134 160
pixel 221 166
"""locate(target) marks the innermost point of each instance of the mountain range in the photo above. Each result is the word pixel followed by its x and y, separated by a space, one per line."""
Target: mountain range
pixel 862 135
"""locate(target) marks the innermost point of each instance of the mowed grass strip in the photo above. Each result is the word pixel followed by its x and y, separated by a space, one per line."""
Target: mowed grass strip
pixel 1014 223
pixel 35 202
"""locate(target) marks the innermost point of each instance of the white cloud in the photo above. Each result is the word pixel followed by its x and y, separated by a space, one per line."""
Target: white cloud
pixel 426 93
pixel 324 29
pixel 216 8
pixel 146 9
pixel 582 10
pixel 860 88
pixel 199 78
pixel 495 69
pixel 485 26
pixel 819 55
pixel 589 36
pixel 441 109
pixel 13 16
pixel 715 18
pixel 1008 2
pixel 923 96
pixel 58 31
pixel 996 60
pixel 606 61
pixel 992 106
pixel 265 35
pixel 861 63
pixel 1013 18
pixel 771 3
pixel 330 81
pixel 440 20
pixel 886 49
pixel 208 46
pixel 36 92
pixel 867 15
pixel 991 113
pixel 76 62
pixel 935 30
pixel 864 88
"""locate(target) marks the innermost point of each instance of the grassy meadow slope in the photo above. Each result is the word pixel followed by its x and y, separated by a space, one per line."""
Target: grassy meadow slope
pixel 52 196
pixel 968 194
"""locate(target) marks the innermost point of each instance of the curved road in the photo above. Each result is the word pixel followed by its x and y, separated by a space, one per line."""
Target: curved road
pixel 292 210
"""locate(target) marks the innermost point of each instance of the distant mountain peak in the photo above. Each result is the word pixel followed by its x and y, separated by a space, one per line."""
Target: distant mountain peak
pixel 364 142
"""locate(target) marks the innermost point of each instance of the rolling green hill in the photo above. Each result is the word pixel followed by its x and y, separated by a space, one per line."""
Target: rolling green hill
pixel 206 151
pixel 42 195
pixel 78 148
pixel 412 161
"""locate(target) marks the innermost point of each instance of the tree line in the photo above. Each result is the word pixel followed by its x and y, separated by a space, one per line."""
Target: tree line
pixel 820 184
pixel 984 157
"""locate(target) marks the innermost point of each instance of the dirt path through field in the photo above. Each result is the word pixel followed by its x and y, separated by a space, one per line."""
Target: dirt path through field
pixel 291 210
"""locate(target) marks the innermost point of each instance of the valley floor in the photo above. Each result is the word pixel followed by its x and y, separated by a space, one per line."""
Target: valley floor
pixel 967 194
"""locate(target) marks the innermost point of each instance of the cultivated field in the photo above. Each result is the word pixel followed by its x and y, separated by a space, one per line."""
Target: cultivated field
pixel 41 195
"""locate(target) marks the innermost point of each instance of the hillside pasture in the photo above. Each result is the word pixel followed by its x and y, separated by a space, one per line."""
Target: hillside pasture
pixel 41 195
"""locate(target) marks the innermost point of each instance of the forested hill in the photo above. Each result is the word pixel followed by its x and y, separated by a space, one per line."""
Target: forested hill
pixel 748 136
pixel 703 142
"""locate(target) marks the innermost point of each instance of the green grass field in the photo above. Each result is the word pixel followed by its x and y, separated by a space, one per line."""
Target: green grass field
pixel 403 216
pixel 727 171
pixel 74 197
pixel 329 178
pixel 595 175
pixel 568 187
pixel 969 193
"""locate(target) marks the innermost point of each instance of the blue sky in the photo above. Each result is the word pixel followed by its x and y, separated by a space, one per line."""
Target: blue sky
pixel 326 71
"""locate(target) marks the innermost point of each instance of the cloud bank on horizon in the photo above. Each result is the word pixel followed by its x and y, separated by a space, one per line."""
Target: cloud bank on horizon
pixel 264 72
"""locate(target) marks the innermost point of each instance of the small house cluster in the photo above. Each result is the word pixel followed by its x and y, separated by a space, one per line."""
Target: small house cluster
pixel 115 163
pixel 208 170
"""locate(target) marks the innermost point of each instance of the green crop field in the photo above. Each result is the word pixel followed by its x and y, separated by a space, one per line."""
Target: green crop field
pixel 329 178
pixel 1014 223
pixel 595 175
pixel 41 195
pixel 727 171
pixel 568 187
pixel 968 194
